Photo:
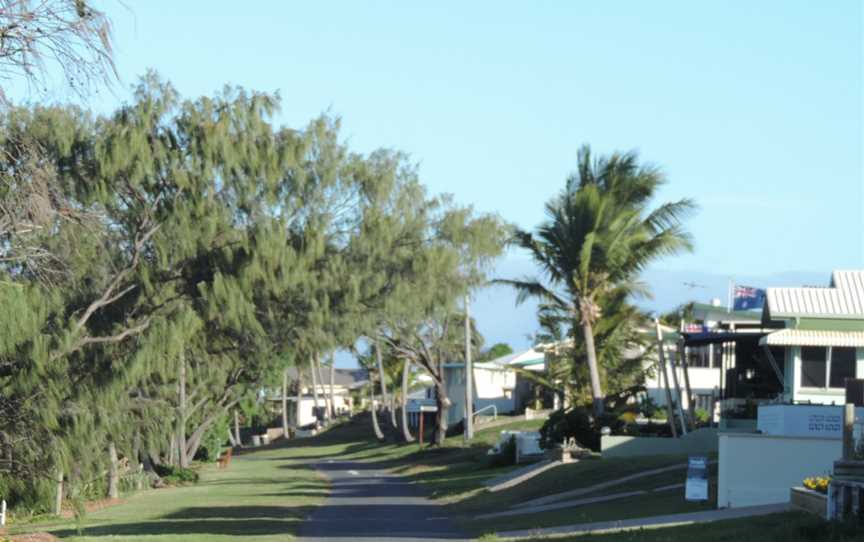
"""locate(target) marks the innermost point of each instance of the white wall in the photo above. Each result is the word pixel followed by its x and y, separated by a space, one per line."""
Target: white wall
pixel 491 387
pixel 760 469
pixel 702 441
pixel 494 387
pixel 306 406
pixel 342 403
pixel 703 381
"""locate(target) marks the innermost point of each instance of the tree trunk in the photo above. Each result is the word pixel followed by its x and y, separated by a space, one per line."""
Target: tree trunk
pixel 661 360
pixel 685 367
pixel 596 390
pixel 172 450
pixel 314 385
pixel 678 394
pixel 406 431
pixel 195 438
pixel 285 403
pixel 469 375
pixel 58 495
pixel 298 412
pixel 661 353
pixel 374 411
pixel 443 403
pixel 181 414
pixel 193 444
pixel 332 386
pixel 231 439
pixel 324 396
pixel 113 472
pixel 237 429
pixel 383 378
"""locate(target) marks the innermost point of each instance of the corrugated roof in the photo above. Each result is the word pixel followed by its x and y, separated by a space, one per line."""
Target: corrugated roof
pixel 533 361
pixel 851 282
pixel 843 299
pixel 518 357
pixel 348 378
pixel 807 337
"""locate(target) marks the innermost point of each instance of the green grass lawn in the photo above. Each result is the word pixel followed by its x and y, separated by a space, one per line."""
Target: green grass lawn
pixel 265 494
pixel 583 474
pixel 788 527
pixel 261 496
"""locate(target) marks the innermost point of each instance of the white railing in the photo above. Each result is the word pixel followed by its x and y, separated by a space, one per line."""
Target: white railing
pixel 488 407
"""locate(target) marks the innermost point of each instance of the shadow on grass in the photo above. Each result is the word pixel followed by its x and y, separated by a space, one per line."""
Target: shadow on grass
pixel 238 512
pixel 247 526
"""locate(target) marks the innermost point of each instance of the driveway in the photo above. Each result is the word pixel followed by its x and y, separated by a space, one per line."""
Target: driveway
pixel 366 503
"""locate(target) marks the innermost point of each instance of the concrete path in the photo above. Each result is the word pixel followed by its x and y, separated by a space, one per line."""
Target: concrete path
pixel 655 522
pixel 366 503
pixel 577 502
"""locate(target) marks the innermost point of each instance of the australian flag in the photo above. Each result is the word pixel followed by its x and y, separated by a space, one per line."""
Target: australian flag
pixel 746 298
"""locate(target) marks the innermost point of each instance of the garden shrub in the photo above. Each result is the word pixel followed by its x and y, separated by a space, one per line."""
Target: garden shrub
pixel 176 475
pixel 577 423
pixel 621 411
pixel 29 496
pixel 213 441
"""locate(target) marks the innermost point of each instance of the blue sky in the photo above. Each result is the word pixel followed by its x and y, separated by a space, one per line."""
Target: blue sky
pixel 753 109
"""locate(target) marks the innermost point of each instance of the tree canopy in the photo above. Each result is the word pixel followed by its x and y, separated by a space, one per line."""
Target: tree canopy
pixel 165 263
pixel 600 233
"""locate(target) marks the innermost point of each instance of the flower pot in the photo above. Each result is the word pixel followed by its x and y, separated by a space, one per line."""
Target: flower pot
pixel 809 501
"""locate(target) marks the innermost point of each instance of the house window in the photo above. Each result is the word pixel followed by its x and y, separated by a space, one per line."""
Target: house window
pixel 827 367
pixel 717 355
pixel 842 366
pixel 697 356
pixel 704 402
pixel 813 366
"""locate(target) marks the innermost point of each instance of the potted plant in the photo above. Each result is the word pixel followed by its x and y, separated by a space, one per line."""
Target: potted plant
pixel 812 496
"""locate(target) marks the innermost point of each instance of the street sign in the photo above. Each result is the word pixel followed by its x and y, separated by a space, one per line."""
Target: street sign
pixel 696 488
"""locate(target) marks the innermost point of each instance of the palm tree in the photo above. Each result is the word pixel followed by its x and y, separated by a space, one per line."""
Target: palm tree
pixel 599 234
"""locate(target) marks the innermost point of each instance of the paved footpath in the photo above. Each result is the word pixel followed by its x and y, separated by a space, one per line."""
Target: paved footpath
pixel 365 503
pixel 654 522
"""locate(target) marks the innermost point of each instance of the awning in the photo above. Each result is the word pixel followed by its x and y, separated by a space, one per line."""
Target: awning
pixel 808 337
pixel 702 339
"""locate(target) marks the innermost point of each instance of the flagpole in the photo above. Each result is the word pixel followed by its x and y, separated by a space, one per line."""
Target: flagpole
pixel 729 292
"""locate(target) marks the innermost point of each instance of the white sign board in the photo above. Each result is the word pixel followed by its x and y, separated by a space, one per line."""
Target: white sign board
pixel 824 421
pixel 696 488
pixel 528 443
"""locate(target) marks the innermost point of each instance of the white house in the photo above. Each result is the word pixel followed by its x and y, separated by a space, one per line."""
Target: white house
pixel 494 390
pixel 704 361
pixel 818 336
pixel 345 381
